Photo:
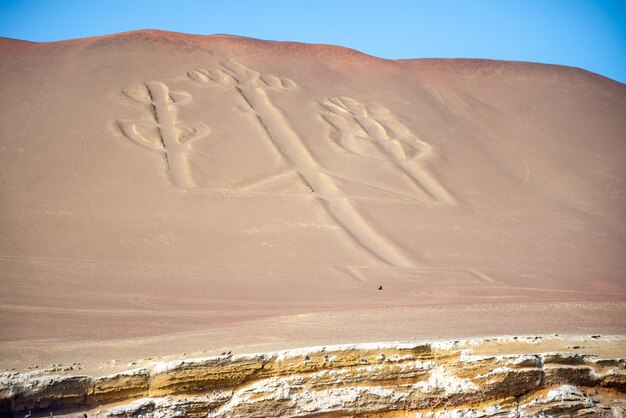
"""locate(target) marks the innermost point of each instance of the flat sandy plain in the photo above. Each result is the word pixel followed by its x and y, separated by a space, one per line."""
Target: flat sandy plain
pixel 164 193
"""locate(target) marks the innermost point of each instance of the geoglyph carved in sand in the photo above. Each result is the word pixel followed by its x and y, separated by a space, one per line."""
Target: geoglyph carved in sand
pixel 251 86
pixel 164 133
pixel 370 132
pixel 373 132
pixel 245 83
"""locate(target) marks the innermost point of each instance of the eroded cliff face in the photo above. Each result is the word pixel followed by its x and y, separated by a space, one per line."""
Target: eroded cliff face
pixel 473 378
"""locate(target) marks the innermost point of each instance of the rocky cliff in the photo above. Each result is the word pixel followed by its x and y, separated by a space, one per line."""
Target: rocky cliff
pixel 472 378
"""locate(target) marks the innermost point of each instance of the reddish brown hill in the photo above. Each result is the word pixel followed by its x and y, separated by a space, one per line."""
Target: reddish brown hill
pixel 156 183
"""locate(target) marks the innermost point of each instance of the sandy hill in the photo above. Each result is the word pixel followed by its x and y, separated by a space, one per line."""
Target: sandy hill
pixel 167 192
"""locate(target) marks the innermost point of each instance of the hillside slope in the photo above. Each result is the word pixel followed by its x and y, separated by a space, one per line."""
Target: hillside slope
pixel 159 186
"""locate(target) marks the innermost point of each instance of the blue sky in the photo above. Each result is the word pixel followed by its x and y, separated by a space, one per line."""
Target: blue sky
pixel 583 33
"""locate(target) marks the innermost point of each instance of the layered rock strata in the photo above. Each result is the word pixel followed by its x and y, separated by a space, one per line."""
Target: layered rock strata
pixel 471 378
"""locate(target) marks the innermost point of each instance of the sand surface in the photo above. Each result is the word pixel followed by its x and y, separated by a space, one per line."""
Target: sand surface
pixel 165 193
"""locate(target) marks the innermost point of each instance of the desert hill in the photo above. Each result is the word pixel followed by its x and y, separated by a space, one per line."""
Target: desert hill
pixel 161 191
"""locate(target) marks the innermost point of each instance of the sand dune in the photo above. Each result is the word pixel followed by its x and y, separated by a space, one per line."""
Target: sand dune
pixel 162 186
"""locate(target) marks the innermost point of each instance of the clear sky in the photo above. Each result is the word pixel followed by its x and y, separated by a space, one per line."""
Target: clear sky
pixel 590 34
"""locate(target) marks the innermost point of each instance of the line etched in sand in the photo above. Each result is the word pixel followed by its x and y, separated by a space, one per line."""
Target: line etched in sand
pixel 374 133
pixel 252 86
pixel 165 133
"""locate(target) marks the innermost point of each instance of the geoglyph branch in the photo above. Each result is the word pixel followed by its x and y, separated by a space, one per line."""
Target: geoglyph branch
pixel 164 133
pixel 373 132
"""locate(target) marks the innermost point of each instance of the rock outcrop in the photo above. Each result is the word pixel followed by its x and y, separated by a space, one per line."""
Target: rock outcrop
pixel 462 378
